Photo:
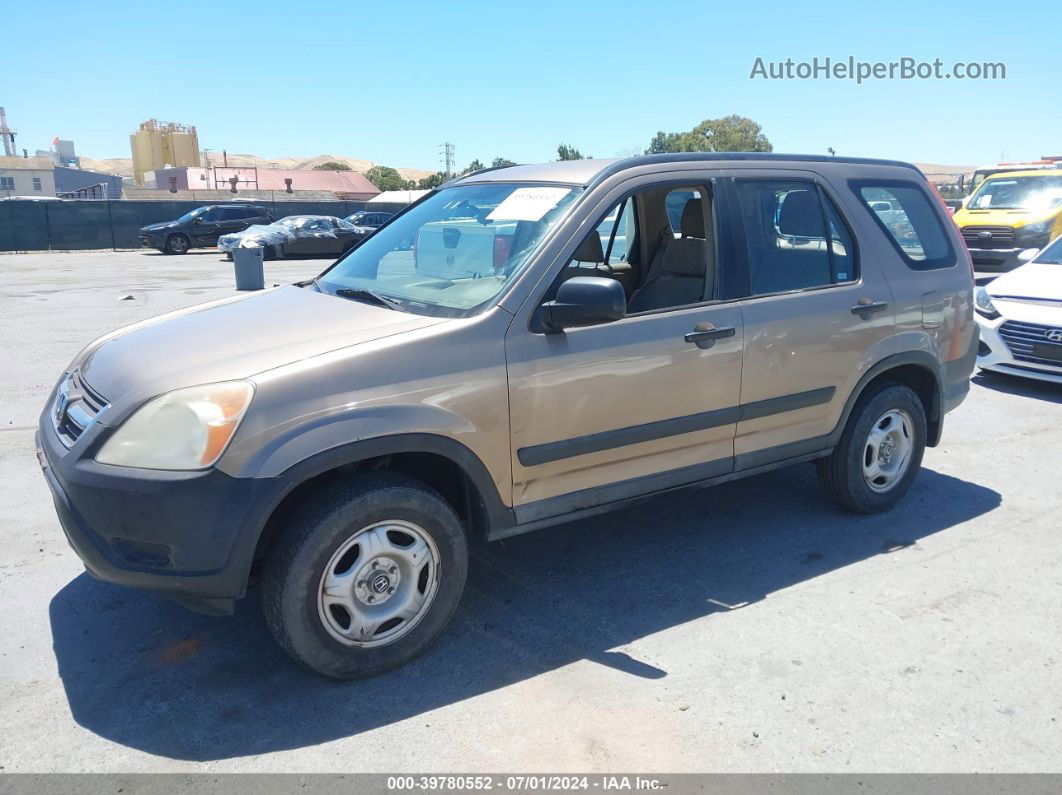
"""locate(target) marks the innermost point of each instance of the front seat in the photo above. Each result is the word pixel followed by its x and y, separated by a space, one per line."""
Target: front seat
pixel 677 272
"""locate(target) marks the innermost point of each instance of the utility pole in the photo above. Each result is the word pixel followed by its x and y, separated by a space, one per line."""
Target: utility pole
pixel 448 158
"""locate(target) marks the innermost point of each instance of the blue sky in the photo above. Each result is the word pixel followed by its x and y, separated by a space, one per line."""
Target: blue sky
pixel 514 79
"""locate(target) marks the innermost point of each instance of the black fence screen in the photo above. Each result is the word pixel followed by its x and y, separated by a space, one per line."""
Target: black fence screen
pixel 75 225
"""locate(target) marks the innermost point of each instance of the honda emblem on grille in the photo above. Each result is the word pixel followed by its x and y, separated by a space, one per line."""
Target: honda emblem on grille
pixel 1055 335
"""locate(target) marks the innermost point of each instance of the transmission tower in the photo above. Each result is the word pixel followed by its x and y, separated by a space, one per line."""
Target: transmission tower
pixel 447 153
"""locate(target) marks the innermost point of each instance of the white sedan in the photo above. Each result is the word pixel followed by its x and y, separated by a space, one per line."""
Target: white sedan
pixel 1020 315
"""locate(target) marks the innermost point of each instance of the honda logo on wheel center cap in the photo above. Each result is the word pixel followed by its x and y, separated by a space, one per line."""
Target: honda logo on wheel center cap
pixel 380 583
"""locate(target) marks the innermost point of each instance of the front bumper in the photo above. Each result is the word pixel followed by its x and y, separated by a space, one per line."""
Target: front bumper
pixel 995 355
pixel 996 259
pixel 188 535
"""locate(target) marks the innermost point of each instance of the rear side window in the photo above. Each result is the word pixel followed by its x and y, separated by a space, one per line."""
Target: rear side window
pixel 904 211
pixel 795 239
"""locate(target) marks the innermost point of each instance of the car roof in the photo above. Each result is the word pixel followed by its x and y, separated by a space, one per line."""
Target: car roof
pixel 1027 172
pixel 585 172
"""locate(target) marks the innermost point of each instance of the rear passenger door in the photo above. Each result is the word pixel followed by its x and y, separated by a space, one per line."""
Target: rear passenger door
pixel 233 219
pixel 816 316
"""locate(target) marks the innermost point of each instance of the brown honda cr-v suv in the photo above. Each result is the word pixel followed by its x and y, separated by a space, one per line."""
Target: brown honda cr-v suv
pixel 523 346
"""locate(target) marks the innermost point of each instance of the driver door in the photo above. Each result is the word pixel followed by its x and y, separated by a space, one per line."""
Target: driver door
pixel 625 408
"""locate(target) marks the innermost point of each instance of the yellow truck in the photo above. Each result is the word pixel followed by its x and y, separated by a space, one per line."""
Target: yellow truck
pixel 1009 213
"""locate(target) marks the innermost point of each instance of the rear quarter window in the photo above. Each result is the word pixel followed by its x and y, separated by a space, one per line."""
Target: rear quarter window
pixel 906 214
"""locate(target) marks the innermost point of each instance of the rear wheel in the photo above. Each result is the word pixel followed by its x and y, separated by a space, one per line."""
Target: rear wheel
pixel 366 576
pixel 177 244
pixel 880 451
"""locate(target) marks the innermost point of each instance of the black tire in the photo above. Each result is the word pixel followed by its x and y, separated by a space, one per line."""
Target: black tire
pixel 177 244
pixel 316 530
pixel 841 473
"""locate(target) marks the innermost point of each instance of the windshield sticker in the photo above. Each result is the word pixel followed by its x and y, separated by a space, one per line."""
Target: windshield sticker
pixel 528 204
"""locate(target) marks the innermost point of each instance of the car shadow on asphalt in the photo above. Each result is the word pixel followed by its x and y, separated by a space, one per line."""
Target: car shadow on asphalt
pixel 143 672
pixel 1016 385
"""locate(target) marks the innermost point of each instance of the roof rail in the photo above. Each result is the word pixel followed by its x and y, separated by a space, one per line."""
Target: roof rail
pixel 685 157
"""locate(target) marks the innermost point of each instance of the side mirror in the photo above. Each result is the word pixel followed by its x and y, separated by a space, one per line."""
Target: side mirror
pixel 198 219
pixel 1028 254
pixel 582 301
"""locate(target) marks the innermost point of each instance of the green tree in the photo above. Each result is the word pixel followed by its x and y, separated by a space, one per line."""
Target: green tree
pixel 565 152
pixel 498 162
pixel 432 181
pixel 475 165
pixel 332 165
pixel 385 178
pixel 728 134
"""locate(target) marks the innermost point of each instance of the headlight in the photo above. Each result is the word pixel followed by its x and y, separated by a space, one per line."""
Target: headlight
pixel 984 303
pixel 1036 231
pixel 185 429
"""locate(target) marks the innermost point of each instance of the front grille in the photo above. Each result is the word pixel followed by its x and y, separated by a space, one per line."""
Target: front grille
pixel 75 408
pixel 1025 340
pixel 998 236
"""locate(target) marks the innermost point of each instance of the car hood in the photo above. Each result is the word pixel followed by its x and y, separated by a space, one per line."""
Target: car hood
pixel 1035 280
pixel 159 227
pixel 232 339
pixel 1013 217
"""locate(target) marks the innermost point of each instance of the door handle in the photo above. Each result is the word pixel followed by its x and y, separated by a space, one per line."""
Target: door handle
pixel 701 335
pixel 870 307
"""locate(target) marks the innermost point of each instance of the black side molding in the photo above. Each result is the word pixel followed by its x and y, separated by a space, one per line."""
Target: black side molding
pixel 634 434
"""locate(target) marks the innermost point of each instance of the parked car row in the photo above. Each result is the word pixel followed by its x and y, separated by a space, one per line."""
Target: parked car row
pixel 204 227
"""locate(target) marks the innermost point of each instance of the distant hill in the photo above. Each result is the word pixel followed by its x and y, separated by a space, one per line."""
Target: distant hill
pixel 944 175
pixel 123 166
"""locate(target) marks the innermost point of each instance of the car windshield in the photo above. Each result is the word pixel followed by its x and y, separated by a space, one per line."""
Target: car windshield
pixel 451 254
pixel 191 215
pixel 1052 255
pixel 1018 193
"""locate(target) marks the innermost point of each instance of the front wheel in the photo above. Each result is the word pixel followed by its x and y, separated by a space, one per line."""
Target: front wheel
pixel 177 244
pixel 880 451
pixel 366 575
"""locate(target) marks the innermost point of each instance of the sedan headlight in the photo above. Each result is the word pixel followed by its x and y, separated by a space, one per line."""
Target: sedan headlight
pixel 984 304
pixel 184 429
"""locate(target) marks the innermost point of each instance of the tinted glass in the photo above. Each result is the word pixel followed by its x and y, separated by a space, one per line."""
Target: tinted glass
pixel 911 223
pixel 785 236
pixel 842 249
pixel 676 203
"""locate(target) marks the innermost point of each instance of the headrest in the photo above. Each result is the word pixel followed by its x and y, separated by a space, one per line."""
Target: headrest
pixel 692 223
pixel 590 249
pixel 801 214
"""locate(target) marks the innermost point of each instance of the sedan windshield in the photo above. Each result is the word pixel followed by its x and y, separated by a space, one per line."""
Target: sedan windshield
pixel 452 253
pixel 1018 193
pixel 1052 255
